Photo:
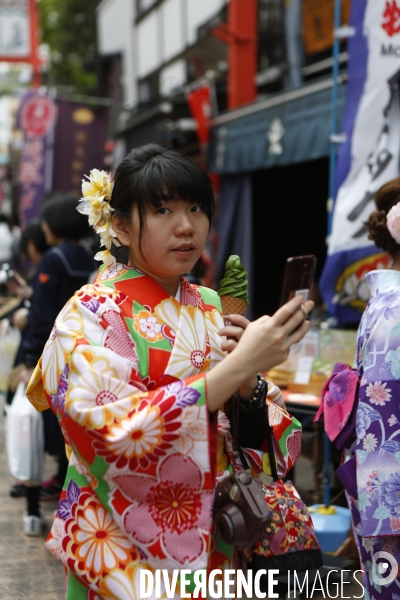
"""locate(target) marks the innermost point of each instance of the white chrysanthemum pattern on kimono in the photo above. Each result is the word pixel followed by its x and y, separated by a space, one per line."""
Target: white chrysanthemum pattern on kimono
pixel 188 355
pixel 97 384
pixel 68 327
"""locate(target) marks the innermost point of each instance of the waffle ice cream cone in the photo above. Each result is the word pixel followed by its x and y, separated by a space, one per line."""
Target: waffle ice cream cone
pixel 233 289
pixel 232 306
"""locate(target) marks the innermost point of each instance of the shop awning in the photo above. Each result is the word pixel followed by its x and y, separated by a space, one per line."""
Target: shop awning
pixel 282 130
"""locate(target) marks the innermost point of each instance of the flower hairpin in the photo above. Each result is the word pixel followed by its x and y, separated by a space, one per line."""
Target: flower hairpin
pixel 393 222
pixel 96 204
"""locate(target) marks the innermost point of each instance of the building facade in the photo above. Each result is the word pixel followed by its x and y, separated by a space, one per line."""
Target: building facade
pixel 270 153
pixel 150 52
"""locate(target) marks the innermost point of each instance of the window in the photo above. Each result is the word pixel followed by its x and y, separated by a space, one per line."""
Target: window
pixel 149 89
pixel 271 57
pixel 144 5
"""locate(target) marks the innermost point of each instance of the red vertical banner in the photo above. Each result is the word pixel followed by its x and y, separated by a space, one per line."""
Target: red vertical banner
pixel 36 118
pixel 199 101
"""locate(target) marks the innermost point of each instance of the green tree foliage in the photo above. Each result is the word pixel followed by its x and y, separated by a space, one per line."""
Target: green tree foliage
pixel 69 29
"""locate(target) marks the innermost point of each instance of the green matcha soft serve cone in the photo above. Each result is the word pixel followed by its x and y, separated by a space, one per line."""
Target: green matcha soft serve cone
pixel 233 288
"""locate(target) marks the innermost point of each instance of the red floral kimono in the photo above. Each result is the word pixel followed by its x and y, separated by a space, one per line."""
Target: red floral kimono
pixel 124 371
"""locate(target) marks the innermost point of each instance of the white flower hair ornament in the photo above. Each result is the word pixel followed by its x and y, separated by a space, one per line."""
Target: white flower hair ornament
pixel 393 222
pixel 96 204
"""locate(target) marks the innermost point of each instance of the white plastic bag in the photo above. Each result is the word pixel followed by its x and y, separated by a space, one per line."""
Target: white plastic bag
pixel 25 439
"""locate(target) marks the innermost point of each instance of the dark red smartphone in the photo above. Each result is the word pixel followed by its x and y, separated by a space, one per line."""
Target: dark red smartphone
pixel 298 277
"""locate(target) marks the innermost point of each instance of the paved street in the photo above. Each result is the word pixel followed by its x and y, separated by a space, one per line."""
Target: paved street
pixel 27 570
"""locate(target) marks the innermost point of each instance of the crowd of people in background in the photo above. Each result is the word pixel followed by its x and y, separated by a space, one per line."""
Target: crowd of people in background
pixel 54 258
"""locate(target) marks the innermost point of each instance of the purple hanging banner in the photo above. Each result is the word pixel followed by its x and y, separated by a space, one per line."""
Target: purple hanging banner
pixel 79 142
pixel 36 118
pixel 369 158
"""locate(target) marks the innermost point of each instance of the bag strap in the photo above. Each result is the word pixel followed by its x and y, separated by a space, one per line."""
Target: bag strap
pixel 234 410
pixel 271 453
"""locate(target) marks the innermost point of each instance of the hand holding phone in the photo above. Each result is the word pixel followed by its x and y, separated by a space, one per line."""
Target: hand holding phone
pixel 298 277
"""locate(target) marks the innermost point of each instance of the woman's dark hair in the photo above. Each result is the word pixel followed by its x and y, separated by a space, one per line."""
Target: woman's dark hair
pixel 386 197
pixel 153 173
pixel 33 233
pixel 63 219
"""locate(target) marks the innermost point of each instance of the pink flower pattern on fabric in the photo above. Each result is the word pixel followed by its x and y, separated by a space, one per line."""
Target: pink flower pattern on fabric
pixel 171 506
pixel 378 393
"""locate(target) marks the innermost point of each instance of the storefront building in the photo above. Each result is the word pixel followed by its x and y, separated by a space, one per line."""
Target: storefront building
pixel 272 157
pixel 269 139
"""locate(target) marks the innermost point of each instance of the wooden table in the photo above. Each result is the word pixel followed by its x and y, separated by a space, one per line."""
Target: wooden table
pixel 305 404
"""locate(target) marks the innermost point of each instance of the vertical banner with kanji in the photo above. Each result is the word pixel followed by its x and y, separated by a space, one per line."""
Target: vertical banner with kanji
pixel 78 144
pixel 36 118
pixel 369 158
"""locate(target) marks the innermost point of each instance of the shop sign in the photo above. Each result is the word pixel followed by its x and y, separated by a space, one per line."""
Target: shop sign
pixel 79 144
pixel 318 23
pixel 62 141
pixel 15 39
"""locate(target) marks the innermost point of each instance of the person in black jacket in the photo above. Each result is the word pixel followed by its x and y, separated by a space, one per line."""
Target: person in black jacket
pixel 32 246
pixel 63 269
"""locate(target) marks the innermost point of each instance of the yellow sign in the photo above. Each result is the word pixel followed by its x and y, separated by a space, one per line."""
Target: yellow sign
pixel 83 116
pixel 318 23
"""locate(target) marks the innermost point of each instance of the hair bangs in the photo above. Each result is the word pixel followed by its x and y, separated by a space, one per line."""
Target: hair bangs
pixel 158 182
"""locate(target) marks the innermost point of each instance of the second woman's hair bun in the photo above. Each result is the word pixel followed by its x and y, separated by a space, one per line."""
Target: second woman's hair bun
pixel 379 233
pixel 385 199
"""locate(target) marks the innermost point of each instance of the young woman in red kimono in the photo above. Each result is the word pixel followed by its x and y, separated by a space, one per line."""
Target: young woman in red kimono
pixel 136 370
